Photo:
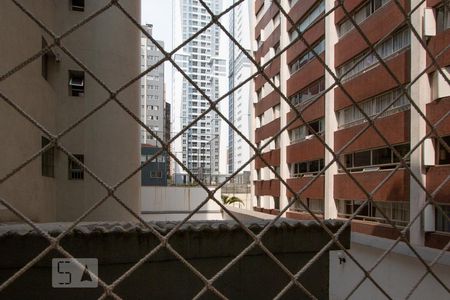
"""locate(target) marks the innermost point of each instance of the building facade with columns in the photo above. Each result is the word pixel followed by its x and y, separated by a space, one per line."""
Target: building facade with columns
pixel 328 113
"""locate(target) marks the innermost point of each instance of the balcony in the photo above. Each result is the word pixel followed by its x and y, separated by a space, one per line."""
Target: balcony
pixel 268 43
pixel 312 35
pixel 298 80
pixel 268 130
pixel 436 110
pixel 271 70
pixel 375 80
pixel 266 18
pixel 272 158
pixel 267 187
pixel 267 102
pixel 436 45
pixel 436 175
pixel 314 111
pixel 375 27
pixel 396 188
pixel 305 150
pixel 314 191
pixel 370 138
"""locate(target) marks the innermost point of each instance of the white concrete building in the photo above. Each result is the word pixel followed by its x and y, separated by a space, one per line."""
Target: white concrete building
pixel 239 103
pixel 200 147
pixel 56 92
pixel 152 89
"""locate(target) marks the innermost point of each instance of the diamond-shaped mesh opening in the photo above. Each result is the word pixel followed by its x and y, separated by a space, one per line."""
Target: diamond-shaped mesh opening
pixel 345 158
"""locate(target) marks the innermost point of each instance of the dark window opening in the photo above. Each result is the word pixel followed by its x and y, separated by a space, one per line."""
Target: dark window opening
pixel 44 61
pixel 381 158
pixel 443 154
pixel 442 222
pixel 361 159
pixel 76 171
pixel 47 159
pixel 77 5
pixel 76 83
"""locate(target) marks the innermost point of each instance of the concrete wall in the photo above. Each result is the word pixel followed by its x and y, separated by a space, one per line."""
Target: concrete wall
pixel 109 140
pixel 396 274
pixel 208 246
pixel 175 203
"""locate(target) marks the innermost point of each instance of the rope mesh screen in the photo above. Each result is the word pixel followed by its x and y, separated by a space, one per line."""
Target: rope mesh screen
pixel 261 70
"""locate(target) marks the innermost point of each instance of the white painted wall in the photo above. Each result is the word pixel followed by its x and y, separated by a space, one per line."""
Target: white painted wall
pixel 396 274
pixel 160 203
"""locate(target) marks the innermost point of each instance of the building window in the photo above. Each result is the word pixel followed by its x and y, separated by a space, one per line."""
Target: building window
pixel 308 20
pixel 309 92
pixel 306 57
pixel 360 15
pixel 307 167
pixel 352 115
pixel 315 205
pixel 443 17
pixel 77 5
pixel 44 61
pixel 76 171
pixel 381 158
pixel 47 159
pixel 76 83
pixel 398 212
pixel 156 174
pixel 304 132
pixel 393 44
pixel 442 221
pixel 443 154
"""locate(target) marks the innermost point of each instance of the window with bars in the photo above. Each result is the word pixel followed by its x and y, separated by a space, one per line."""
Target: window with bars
pixel 76 83
pixel 76 171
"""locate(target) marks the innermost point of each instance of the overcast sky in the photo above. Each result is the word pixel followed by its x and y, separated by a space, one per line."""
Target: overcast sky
pixel 159 13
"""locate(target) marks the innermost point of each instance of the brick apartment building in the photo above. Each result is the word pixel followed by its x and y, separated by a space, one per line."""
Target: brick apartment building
pixel 297 154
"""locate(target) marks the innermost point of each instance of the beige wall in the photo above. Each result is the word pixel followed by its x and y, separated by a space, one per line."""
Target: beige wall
pixel 109 139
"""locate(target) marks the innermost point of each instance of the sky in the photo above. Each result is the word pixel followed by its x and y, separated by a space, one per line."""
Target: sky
pixel 161 18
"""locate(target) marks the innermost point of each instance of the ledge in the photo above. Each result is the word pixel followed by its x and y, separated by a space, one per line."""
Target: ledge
pixel 128 242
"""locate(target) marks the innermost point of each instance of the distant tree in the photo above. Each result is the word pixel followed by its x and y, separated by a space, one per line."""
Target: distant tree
pixel 229 200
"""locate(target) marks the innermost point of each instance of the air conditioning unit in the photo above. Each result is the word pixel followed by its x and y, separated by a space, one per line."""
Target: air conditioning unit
pixel 428 152
pixel 439 85
pixel 429 22
pixel 371 169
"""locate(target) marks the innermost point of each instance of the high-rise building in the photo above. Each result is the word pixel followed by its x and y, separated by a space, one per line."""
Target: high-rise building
pixel 298 155
pixel 152 89
pixel 57 92
pixel 239 102
pixel 199 148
